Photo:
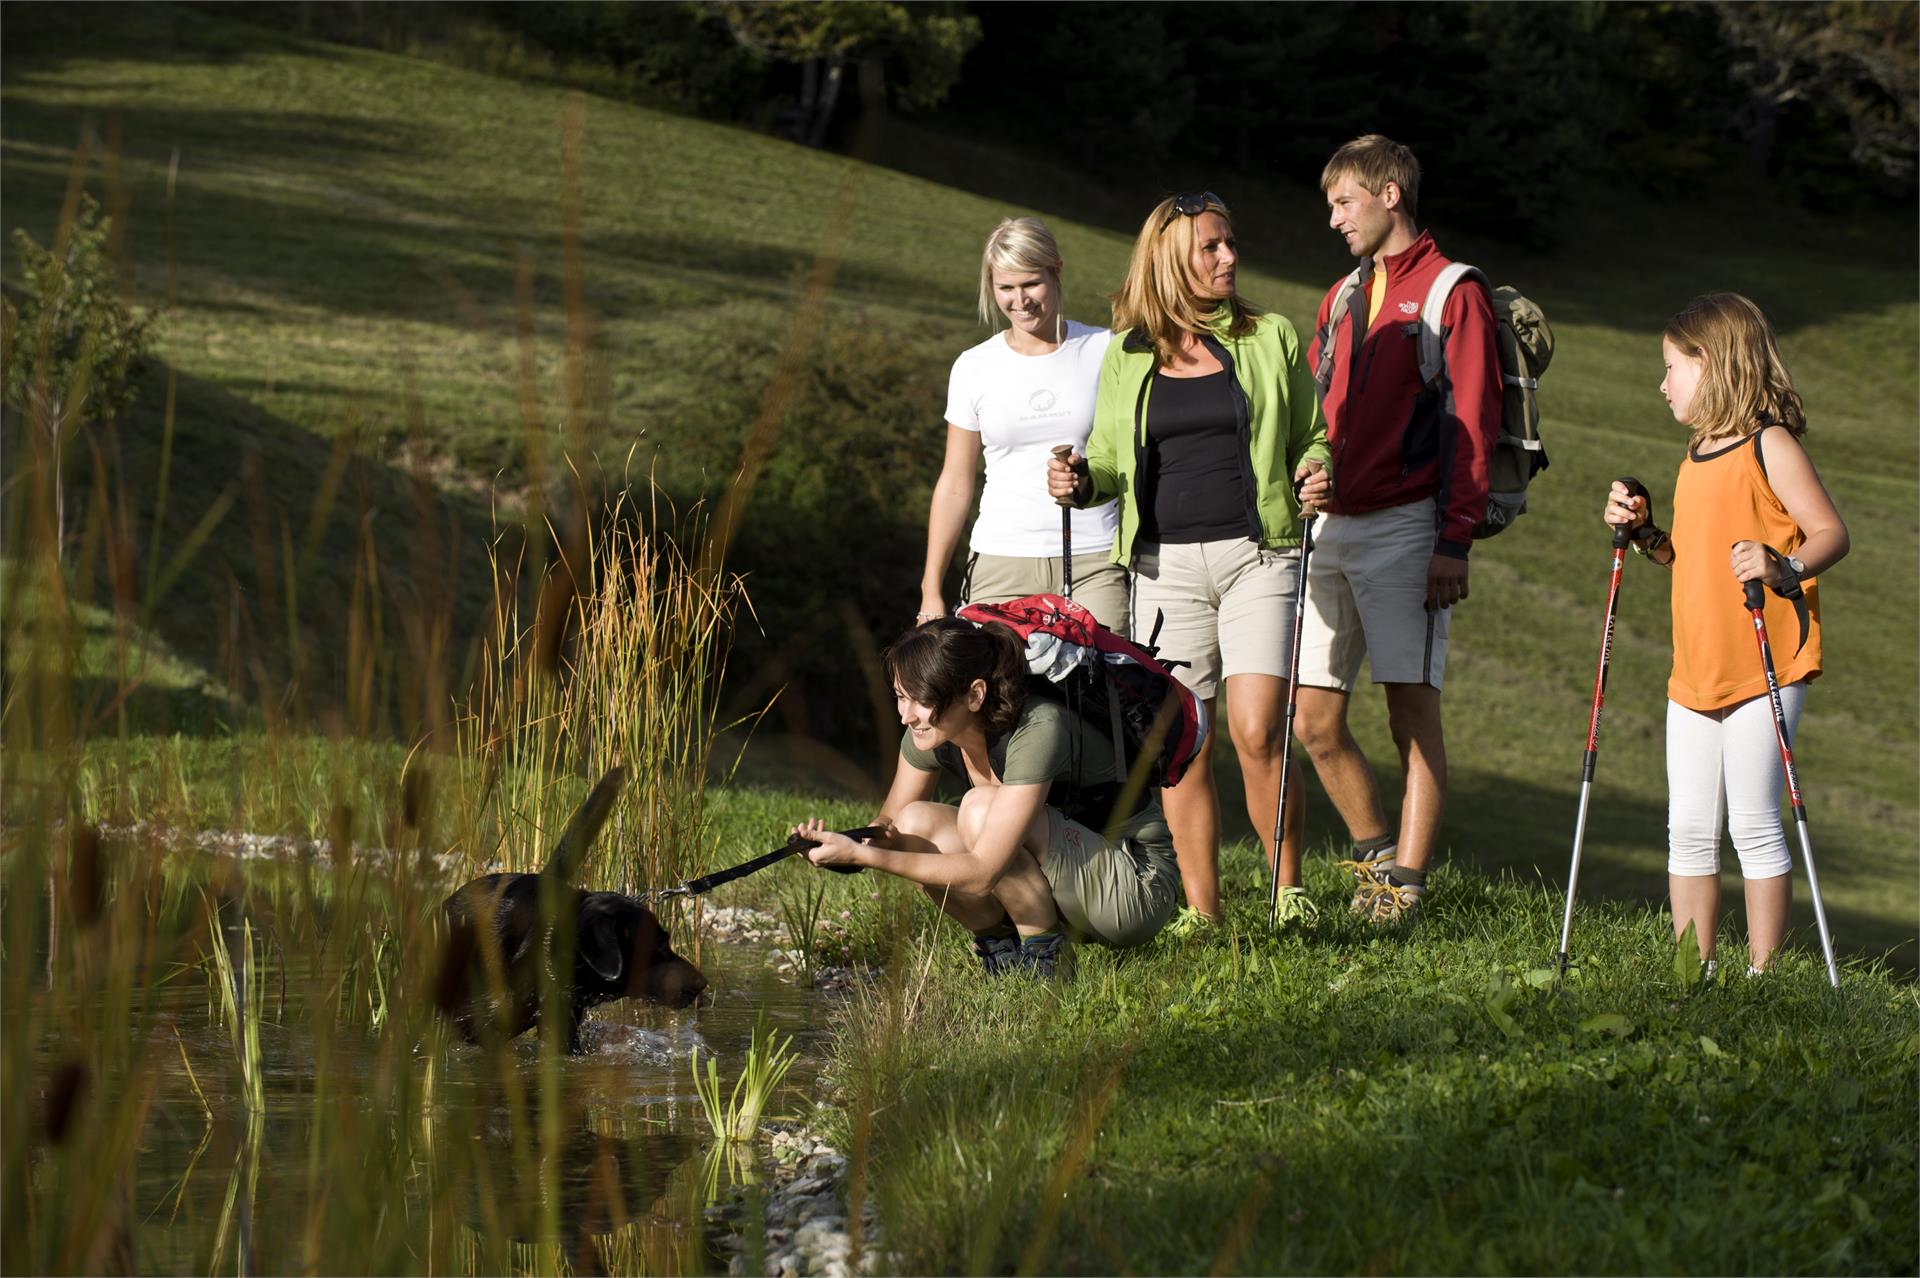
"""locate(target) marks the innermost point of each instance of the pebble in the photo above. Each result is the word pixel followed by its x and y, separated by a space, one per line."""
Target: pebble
pixel 806 1215
pixel 243 845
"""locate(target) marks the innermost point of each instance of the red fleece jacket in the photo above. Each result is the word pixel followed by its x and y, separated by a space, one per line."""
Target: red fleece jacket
pixel 1391 441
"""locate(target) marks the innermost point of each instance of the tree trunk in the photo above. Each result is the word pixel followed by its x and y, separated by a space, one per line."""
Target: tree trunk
pixel 829 96
pixel 1761 133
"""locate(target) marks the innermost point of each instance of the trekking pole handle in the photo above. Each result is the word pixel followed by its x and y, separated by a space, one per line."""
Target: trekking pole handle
pixel 1065 453
pixel 1756 594
pixel 1621 533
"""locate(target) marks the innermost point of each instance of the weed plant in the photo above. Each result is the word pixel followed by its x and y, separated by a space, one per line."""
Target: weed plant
pixel 611 656
pixel 737 1119
pixel 802 893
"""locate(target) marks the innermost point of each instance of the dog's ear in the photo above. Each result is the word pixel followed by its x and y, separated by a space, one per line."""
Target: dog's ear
pixel 602 948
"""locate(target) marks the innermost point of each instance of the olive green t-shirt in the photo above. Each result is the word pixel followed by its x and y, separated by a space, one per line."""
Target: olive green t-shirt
pixel 1050 744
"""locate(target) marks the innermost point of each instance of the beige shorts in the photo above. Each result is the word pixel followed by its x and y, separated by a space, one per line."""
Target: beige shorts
pixel 1116 894
pixel 1367 597
pixel 1224 607
pixel 1099 584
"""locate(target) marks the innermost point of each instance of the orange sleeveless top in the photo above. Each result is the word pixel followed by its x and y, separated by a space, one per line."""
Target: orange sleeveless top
pixel 1720 498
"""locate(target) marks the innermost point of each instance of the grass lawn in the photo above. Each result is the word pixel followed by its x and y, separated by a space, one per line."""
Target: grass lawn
pixel 1353 1102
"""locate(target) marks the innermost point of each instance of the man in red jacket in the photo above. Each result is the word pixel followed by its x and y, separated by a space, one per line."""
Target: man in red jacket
pixel 1408 482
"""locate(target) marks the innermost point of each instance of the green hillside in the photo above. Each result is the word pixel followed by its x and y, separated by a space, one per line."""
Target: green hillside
pixel 366 266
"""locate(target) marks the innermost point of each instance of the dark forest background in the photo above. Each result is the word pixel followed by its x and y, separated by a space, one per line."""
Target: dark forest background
pixel 1816 100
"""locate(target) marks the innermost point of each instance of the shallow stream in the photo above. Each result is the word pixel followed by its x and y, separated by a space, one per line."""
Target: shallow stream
pixel 636 1165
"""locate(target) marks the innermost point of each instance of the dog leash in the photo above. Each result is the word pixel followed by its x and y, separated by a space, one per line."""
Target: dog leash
pixel 707 882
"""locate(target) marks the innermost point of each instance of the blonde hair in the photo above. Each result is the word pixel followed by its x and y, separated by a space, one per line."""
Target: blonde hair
pixel 1373 161
pixel 1744 384
pixel 1162 296
pixel 1018 244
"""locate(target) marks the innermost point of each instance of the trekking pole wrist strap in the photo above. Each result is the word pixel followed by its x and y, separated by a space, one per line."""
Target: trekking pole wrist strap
pixel 1789 584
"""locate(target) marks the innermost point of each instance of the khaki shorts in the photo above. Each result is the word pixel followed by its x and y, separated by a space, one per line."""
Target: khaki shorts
pixel 1116 894
pixel 1367 597
pixel 1099 584
pixel 1227 608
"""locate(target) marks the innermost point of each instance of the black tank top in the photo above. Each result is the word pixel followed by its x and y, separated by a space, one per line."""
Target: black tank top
pixel 1190 490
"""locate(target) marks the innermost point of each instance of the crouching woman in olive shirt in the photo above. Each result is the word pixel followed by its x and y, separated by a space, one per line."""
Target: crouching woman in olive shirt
pixel 1007 863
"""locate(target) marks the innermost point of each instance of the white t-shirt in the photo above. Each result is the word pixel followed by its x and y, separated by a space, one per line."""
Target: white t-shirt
pixel 1023 406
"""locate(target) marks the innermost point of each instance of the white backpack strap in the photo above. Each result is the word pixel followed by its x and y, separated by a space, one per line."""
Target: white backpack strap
pixel 1433 349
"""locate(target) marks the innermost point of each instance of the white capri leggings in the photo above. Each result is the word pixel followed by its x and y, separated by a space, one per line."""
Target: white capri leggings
pixel 1723 767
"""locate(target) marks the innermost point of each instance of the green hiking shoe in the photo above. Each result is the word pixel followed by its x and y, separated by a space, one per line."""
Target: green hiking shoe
pixel 1048 956
pixel 1295 909
pixel 1190 926
pixel 1388 902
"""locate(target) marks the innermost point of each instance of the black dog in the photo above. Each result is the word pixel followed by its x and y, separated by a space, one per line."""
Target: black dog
pixel 490 972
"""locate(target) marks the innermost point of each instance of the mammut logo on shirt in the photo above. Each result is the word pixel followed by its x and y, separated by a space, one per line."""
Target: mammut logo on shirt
pixel 1041 400
pixel 1409 308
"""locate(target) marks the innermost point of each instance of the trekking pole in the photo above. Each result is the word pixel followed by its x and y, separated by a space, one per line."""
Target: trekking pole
pixel 1064 451
pixel 1756 598
pixel 1286 741
pixel 1621 535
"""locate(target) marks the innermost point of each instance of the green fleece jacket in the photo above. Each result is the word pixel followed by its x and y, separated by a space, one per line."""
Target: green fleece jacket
pixel 1276 412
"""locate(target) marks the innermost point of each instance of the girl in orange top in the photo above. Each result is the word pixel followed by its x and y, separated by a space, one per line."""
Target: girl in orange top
pixel 1746 483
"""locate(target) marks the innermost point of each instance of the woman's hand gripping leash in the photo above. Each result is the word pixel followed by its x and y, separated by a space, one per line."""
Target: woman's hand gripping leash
pixel 834 850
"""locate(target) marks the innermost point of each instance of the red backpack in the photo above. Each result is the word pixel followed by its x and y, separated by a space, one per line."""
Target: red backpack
pixel 1124 690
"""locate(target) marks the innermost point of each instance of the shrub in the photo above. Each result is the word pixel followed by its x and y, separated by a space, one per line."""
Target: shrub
pixel 68 344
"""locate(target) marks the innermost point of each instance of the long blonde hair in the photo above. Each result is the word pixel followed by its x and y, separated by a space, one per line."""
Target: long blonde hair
pixel 1019 244
pixel 1744 384
pixel 1161 295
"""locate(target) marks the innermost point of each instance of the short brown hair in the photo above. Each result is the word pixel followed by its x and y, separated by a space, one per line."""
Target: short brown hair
pixel 1373 161
pixel 937 662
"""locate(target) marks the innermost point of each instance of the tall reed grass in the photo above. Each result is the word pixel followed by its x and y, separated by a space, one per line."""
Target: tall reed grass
pixel 611 654
pixel 230 1063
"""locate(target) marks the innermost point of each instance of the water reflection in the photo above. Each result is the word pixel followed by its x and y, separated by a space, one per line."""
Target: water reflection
pixel 498 1165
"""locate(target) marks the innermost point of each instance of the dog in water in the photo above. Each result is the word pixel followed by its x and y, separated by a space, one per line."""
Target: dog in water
pixel 491 971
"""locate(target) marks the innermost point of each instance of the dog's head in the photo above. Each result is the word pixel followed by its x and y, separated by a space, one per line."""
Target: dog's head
pixel 625 949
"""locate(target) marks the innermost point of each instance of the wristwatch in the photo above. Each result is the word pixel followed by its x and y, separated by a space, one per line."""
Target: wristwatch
pixel 1799 569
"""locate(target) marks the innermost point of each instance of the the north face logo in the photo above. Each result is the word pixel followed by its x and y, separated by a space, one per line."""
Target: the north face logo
pixel 1409 308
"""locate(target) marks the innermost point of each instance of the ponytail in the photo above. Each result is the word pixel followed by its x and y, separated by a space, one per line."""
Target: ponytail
pixel 936 663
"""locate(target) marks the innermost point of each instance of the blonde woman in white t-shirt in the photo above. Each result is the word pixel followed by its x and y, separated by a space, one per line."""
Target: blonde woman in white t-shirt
pixel 1010 401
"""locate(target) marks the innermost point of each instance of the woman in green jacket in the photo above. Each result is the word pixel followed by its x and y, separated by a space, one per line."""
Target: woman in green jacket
pixel 1207 422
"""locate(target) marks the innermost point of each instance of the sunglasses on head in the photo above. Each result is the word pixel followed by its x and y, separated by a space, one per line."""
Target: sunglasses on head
pixel 1188 204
